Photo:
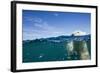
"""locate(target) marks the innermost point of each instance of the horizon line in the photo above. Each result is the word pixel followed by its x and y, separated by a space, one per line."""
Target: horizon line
pixel 53 37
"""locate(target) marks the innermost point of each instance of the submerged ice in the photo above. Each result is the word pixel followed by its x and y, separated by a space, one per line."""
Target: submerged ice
pixel 59 48
pixel 77 48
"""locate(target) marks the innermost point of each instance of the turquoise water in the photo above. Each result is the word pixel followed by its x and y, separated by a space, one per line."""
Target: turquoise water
pixel 43 51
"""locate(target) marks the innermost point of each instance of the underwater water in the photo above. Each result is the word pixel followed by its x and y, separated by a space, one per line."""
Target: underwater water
pixel 61 48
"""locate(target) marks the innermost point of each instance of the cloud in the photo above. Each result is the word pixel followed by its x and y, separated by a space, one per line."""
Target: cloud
pixel 41 29
pixel 38 25
pixel 33 19
pixel 38 20
pixel 43 26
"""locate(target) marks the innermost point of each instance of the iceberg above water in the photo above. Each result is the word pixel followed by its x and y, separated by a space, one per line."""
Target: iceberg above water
pixel 78 33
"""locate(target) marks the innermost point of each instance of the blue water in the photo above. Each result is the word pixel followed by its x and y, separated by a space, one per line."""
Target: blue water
pixel 44 51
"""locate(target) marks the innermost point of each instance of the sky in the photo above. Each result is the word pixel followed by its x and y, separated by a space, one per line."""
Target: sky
pixel 44 24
